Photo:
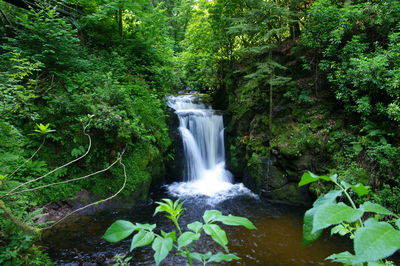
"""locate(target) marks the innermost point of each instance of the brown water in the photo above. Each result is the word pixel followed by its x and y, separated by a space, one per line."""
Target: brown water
pixel 277 241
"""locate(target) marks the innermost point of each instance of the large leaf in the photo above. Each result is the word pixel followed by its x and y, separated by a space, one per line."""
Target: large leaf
pixel 195 226
pixel 222 257
pixel 376 208
pixel 235 220
pixel 119 230
pixel 375 241
pixel 329 197
pixel 308 235
pixel 309 177
pixel 162 247
pixel 329 214
pixel 217 234
pixel 142 238
pixel 210 215
pixel 187 238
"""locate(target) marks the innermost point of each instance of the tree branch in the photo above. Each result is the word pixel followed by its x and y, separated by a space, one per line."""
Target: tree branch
pixel 56 169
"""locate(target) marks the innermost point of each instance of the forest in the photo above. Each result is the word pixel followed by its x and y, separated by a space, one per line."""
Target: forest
pixel 309 91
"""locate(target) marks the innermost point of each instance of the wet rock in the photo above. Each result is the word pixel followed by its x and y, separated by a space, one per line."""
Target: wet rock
pixel 277 178
pixel 291 193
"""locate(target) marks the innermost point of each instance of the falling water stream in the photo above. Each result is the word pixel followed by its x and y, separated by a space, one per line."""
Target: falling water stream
pixel 202 132
pixel 206 184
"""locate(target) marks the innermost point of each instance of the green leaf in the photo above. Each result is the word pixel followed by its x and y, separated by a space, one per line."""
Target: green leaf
pixel 171 235
pixel 398 223
pixel 148 227
pixel 195 226
pixel 308 235
pixel 329 214
pixel 196 256
pixel 343 257
pixel 187 238
pixel 374 207
pixel 142 238
pixel 339 229
pixel 217 234
pixel 310 178
pixel 329 197
pixel 360 189
pixel 375 241
pixel 222 257
pixel 236 221
pixel 377 263
pixel 210 215
pixel 162 247
pixel 119 230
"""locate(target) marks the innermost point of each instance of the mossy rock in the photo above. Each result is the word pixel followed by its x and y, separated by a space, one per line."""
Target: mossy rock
pixel 276 178
pixel 291 193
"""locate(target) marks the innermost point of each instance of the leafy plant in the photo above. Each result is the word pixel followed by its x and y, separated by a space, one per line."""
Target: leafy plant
pixel 43 129
pixel 375 238
pixel 182 241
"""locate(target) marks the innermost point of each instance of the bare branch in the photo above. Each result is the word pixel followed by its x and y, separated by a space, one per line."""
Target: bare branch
pixel 66 181
pixel 99 201
pixel 58 168
pixel 30 158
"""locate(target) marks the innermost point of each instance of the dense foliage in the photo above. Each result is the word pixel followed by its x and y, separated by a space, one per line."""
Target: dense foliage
pixel 304 79
pixel 81 69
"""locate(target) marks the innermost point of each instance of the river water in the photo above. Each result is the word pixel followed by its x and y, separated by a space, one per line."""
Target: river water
pixel 206 184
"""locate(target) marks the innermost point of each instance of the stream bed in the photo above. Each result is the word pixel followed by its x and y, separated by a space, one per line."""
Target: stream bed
pixel 277 240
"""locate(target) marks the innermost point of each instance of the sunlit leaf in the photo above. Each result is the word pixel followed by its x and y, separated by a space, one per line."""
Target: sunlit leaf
pixel 148 227
pixel 376 208
pixel 119 230
pixel 222 257
pixel 330 214
pixel 162 247
pixel 142 238
pixel 187 238
pixel 195 226
pixel 360 189
pixel 309 177
pixel 375 241
pixel 235 220
pixel 217 234
pixel 210 215
pixel 339 229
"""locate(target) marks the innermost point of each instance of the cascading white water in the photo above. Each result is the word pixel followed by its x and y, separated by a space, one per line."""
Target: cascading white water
pixel 202 132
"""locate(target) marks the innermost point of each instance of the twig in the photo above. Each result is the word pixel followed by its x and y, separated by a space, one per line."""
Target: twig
pixel 97 202
pixel 56 169
pixel 66 181
pixel 30 158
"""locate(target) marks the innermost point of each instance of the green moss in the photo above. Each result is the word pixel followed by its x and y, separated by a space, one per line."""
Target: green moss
pixel 139 161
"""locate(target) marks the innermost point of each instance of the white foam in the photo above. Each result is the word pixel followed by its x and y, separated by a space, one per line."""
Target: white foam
pixel 202 132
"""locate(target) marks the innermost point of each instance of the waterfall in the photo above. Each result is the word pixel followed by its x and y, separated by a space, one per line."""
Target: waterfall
pixel 202 131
